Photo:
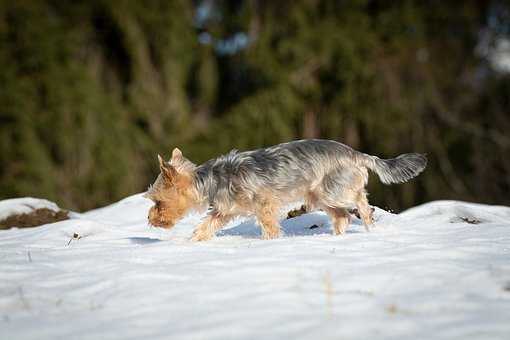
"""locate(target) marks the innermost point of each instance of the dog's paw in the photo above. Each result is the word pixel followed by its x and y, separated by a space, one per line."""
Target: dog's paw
pixel 270 236
pixel 199 236
pixel 339 231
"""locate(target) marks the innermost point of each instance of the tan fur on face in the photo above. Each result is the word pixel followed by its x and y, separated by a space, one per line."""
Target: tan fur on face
pixel 172 193
pixel 170 206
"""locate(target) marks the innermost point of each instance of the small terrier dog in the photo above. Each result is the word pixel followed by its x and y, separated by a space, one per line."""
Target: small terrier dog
pixel 325 174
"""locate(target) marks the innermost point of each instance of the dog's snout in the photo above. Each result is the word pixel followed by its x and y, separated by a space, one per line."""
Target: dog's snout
pixel 157 219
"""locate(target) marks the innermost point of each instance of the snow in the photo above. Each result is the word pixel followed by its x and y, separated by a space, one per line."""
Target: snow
pixel 499 55
pixel 440 270
pixel 24 205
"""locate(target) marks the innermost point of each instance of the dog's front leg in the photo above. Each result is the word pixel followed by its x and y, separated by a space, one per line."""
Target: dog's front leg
pixel 268 221
pixel 212 223
pixel 266 210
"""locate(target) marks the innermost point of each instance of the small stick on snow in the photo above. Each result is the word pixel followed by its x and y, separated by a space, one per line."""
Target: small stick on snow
pixel 22 298
pixel 75 236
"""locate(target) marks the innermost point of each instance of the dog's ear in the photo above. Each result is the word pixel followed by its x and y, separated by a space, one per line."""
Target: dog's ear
pixel 167 170
pixel 176 155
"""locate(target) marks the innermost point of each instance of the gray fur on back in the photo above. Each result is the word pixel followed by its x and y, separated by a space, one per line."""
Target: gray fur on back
pixel 286 166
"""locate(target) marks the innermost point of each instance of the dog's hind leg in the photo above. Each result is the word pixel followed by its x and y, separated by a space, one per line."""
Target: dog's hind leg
pixel 212 223
pixel 364 210
pixel 340 219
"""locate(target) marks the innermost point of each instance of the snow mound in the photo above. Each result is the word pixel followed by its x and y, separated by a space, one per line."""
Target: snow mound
pixel 25 205
pixel 440 270
pixel 455 211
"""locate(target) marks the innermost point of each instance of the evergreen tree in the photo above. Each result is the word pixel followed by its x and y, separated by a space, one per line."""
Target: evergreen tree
pixel 91 91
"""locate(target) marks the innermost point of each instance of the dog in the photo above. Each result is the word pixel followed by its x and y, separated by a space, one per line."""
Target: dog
pixel 326 174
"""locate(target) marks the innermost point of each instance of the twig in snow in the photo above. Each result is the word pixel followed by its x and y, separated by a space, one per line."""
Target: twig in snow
pixel 22 298
pixel 75 237
pixel 329 293
pixel 392 309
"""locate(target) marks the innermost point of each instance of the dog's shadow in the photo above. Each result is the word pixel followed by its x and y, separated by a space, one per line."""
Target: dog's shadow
pixel 143 240
pixel 314 223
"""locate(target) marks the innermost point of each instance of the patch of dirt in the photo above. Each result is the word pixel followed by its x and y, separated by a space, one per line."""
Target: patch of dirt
pixel 470 220
pixel 297 212
pixel 35 218
pixel 303 210
pixel 463 219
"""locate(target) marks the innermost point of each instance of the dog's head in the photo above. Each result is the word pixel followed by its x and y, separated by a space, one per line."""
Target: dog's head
pixel 173 193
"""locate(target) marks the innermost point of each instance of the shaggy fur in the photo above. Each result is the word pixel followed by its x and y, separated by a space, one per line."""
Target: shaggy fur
pixel 328 175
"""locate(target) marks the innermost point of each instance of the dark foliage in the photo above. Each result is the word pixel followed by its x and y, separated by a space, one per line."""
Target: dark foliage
pixel 91 91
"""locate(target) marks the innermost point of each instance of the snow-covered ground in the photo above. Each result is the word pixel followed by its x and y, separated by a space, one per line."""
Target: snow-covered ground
pixel 437 271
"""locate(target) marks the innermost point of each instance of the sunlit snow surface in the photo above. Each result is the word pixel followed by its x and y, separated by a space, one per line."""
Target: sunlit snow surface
pixel 437 271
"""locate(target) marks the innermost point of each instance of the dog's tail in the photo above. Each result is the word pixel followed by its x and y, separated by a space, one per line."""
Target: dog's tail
pixel 396 170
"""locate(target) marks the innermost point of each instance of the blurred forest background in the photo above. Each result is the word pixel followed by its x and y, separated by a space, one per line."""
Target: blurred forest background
pixel 91 91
